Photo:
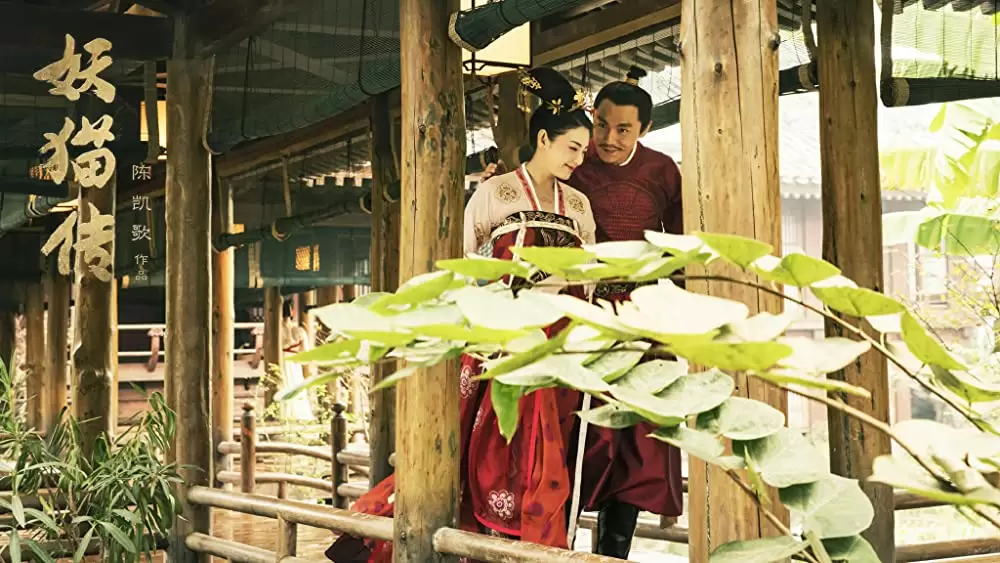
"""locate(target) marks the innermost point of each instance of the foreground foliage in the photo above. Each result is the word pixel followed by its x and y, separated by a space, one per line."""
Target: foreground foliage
pixel 439 316
pixel 123 498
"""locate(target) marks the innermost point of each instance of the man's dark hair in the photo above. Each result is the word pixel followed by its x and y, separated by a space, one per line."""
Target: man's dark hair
pixel 628 93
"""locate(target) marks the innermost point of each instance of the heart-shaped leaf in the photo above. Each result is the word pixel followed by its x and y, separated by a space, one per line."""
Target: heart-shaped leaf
pixel 742 419
pixel 612 415
pixel 701 445
pixel 832 507
pixel 764 550
pixel 798 270
pixel 653 376
pixel 924 347
pixel 741 251
pixel 785 458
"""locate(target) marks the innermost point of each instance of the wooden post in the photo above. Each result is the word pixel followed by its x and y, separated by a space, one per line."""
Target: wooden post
pixel 288 537
pixel 36 388
pixel 852 231
pixel 248 449
pixel 384 277
pixel 94 317
pixel 326 295
pixel 347 293
pixel 272 346
pixel 57 333
pixel 511 129
pixel 223 319
pixel 729 114
pixel 338 441
pixel 189 282
pixel 433 174
pixel 113 401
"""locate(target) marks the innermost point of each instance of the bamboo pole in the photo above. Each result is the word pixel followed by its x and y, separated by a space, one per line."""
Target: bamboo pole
pixel 36 390
pixel 223 321
pixel 189 279
pixel 384 277
pixel 852 232
pixel 272 346
pixel 93 318
pixel 57 333
pixel 433 160
pixel 729 115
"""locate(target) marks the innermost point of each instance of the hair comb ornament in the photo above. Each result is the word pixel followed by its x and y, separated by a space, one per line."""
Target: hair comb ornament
pixel 552 88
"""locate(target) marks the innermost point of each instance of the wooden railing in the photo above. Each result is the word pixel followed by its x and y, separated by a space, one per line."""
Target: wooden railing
pixel 291 514
pixel 343 491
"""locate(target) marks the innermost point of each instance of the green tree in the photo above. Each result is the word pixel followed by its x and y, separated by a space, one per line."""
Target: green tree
pixel 961 173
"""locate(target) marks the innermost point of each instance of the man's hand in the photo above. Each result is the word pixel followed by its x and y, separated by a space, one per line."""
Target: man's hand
pixel 491 170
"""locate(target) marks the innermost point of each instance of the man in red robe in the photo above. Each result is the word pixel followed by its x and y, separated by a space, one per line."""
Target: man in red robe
pixel 632 188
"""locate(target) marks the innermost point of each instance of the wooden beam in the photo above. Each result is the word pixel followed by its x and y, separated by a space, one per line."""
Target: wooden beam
pixel 44 29
pixel 270 149
pixel 730 115
pixel 433 199
pixel 57 347
pixel 384 277
pixel 601 27
pixel 223 319
pixel 852 232
pixel 219 24
pixel 189 282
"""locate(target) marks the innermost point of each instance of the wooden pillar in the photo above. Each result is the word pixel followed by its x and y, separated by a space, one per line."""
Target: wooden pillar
pixel 433 174
pixel 511 129
pixel 189 282
pixel 852 231
pixel 223 325
pixel 36 390
pixel 384 277
pixel 326 295
pixel 115 407
pixel 729 114
pixel 94 316
pixel 347 293
pixel 8 327
pixel 272 345
pixel 57 333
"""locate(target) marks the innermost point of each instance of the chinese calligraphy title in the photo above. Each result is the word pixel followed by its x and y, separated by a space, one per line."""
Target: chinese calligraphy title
pixel 92 169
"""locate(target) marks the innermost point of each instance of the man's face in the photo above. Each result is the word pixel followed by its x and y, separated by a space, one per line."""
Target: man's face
pixel 616 131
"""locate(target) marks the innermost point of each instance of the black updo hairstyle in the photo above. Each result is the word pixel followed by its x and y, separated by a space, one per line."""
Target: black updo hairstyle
pixel 286 309
pixel 628 93
pixel 561 109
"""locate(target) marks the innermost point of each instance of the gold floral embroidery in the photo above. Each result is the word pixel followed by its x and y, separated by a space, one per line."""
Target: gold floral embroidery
pixel 575 203
pixel 506 193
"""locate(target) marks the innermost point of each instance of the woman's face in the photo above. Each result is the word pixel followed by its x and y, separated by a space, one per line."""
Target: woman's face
pixel 562 154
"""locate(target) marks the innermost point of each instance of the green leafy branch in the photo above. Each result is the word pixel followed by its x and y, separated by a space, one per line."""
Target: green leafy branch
pixel 442 315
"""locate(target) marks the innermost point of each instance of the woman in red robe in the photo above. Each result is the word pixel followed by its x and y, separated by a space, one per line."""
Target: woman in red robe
pixel 517 490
